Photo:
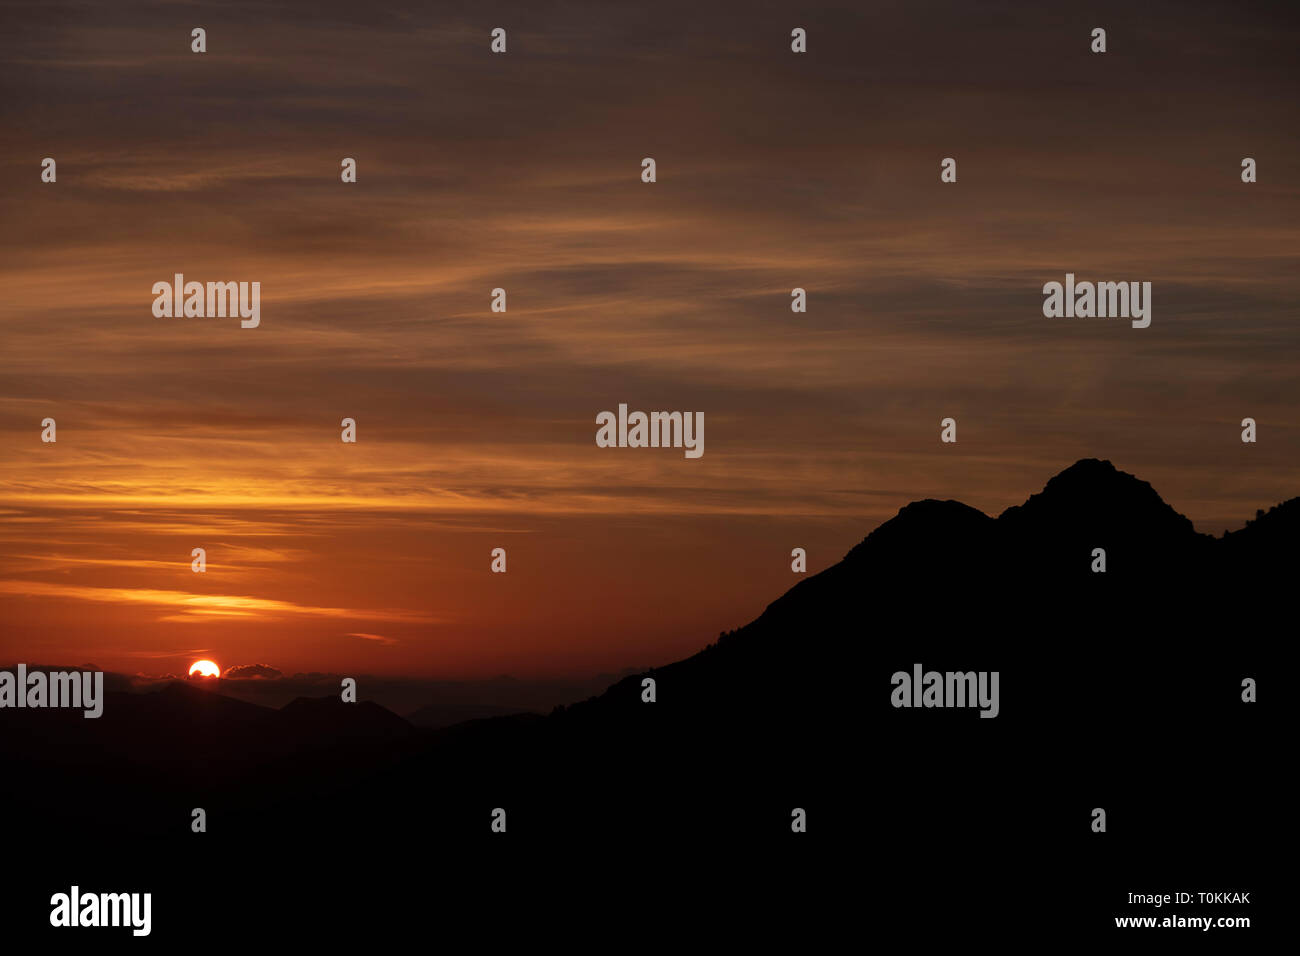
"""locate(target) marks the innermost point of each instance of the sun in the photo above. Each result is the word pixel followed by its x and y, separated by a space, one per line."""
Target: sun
pixel 205 669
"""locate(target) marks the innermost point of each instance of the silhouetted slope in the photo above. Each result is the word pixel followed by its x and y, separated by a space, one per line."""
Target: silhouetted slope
pixel 328 720
pixel 1266 549
pixel 797 701
pixel 438 715
pixel 791 710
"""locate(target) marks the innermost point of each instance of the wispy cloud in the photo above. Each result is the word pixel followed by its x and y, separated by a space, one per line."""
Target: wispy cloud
pixel 377 638
pixel 197 607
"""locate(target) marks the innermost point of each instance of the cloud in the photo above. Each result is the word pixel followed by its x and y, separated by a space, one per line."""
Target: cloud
pixel 252 672
pixel 193 607
pixel 377 638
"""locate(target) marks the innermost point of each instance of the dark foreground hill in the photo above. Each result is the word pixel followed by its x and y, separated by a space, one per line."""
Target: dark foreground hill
pixel 1119 689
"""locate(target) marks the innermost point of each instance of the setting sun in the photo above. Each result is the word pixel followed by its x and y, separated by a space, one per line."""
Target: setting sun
pixel 205 669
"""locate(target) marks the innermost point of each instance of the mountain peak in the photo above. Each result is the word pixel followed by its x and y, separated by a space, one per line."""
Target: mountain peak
pixel 1094 494
pixel 1096 474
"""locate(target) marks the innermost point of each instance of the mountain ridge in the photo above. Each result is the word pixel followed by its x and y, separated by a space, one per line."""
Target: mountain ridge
pixel 772 714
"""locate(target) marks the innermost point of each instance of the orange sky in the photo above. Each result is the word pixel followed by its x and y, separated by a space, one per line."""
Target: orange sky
pixel 476 430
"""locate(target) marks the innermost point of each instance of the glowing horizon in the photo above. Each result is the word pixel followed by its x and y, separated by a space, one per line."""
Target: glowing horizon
pixel 476 429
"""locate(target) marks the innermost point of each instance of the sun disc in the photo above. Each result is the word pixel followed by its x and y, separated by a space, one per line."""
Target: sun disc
pixel 205 669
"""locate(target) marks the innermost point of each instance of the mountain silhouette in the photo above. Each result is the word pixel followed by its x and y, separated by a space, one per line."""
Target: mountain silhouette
pixel 1118 688
pixel 328 720
pixel 939 583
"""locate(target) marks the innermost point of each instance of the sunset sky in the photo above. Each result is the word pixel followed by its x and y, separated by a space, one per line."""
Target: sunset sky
pixel 476 429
